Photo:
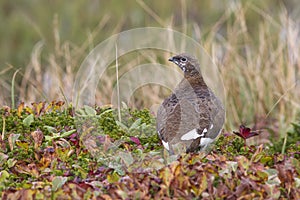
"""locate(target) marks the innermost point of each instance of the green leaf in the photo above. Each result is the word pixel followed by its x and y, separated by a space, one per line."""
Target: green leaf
pixel 90 111
pixel 117 165
pixel 48 138
pixel 233 165
pixel 266 159
pixel 107 111
pixel 28 120
pixel 58 182
pixel 80 112
pixel 257 157
pixel 123 126
pixel 297 182
pixel 296 164
pixel 263 175
pixel 82 172
pixel 127 158
pixel 12 138
pixel 243 163
pixel 68 133
pixel 272 177
pixel 123 194
pixel 3 158
pixel 54 136
pixel 3 176
pixel 271 172
pixel 50 129
pixel 135 124
pixel 11 162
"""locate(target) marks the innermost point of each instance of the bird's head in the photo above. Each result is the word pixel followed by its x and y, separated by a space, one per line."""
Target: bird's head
pixel 188 64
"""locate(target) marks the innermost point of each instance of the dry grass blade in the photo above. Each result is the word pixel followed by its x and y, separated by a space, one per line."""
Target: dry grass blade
pixel 151 12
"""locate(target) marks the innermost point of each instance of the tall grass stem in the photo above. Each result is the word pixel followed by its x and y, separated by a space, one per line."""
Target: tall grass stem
pixel 13 89
pixel 118 88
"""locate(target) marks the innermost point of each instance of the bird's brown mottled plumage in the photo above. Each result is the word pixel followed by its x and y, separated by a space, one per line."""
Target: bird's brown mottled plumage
pixel 191 106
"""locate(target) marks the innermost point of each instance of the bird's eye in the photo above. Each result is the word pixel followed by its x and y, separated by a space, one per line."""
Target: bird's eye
pixel 183 60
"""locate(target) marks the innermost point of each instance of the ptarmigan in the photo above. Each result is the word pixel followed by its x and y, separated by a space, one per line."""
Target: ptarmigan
pixel 192 117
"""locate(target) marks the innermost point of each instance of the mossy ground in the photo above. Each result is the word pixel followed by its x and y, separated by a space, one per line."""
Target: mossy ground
pixel 47 151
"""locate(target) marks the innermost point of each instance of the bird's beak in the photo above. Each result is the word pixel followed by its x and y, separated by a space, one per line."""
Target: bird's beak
pixel 174 60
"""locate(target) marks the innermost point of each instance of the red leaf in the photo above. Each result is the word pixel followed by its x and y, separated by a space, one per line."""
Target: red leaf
pixel 135 140
pixel 246 132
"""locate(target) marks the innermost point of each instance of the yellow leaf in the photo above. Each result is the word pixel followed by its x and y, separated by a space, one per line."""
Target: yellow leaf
pixel 199 189
pixel 243 163
pixel 29 110
pixel 58 105
pixel 20 109
pixel 39 107
pixel 113 178
pixel 50 105
pixel 167 176
pixel 22 144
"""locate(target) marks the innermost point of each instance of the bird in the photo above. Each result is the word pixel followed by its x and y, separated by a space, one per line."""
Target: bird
pixel 192 117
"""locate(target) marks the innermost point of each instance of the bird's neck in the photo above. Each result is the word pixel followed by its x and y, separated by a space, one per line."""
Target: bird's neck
pixel 190 85
pixel 195 79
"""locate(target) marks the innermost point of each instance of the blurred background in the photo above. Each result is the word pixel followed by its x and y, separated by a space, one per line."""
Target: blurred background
pixel 255 44
pixel 25 23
